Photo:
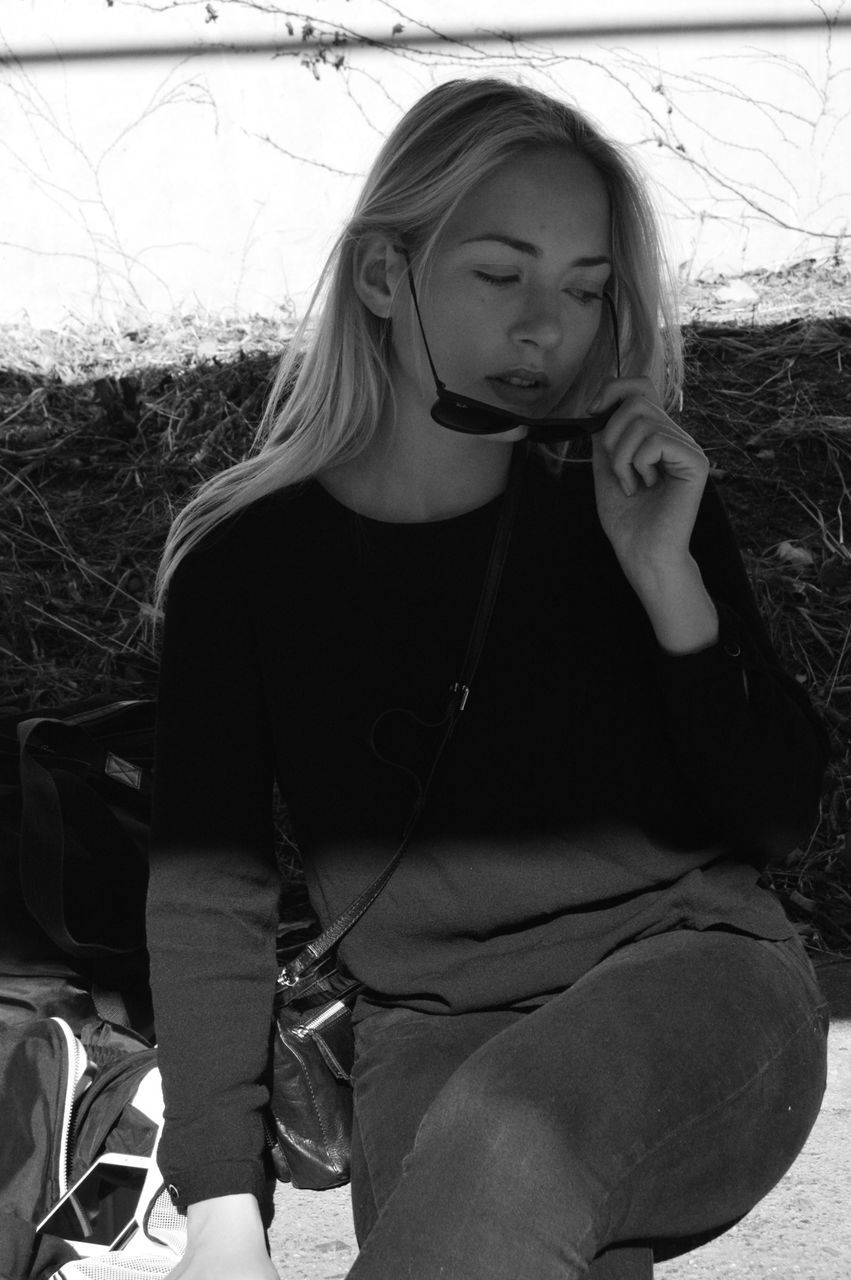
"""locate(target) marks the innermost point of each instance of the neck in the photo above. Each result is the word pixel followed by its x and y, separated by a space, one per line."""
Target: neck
pixel 420 472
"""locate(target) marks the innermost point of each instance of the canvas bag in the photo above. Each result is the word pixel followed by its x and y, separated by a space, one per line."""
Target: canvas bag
pixel 75 789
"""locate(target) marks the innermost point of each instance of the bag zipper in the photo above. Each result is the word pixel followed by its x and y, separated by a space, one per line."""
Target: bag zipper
pixel 77 1063
pixel 331 1011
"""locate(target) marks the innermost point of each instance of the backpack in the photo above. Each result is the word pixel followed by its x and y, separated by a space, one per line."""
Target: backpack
pixel 66 1100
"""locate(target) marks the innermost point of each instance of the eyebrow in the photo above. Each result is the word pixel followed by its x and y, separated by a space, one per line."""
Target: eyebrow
pixel 524 246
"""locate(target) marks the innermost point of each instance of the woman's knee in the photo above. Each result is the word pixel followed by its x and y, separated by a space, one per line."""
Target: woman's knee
pixel 494 1125
pixel 472 1112
pixel 506 1151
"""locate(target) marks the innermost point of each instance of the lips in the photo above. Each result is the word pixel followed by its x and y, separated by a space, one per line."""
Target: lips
pixel 520 388
pixel 524 379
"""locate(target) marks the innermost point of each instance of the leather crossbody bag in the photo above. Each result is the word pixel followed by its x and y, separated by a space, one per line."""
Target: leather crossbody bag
pixel 313 1040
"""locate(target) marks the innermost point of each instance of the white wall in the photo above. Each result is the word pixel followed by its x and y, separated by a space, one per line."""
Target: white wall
pixel 135 188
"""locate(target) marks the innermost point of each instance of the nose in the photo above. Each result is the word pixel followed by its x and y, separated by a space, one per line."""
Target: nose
pixel 539 321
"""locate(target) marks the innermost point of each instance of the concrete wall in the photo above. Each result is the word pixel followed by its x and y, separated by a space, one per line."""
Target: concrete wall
pixel 217 183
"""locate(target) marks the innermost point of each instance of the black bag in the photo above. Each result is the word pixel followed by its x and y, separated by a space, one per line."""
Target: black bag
pixel 311 1110
pixel 75 787
pixel 313 1041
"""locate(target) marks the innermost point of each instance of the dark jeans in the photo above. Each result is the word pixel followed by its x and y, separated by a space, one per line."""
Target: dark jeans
pixel 647 1107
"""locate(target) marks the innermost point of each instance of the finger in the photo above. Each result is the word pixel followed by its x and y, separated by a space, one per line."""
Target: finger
pixel 617 389
pixel 663 453
pixel 644 448
pixel 615 467
pixel 636 419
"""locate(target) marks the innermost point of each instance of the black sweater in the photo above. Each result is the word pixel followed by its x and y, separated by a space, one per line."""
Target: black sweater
pixel 597 790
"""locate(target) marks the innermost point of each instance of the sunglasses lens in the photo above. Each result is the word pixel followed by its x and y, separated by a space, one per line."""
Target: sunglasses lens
pixel 474 420
pixel 466 418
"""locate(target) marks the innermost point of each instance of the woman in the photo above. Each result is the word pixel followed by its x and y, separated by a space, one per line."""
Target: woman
pixel 588 1032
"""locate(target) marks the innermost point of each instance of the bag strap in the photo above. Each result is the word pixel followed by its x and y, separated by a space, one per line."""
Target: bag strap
pixel 459 692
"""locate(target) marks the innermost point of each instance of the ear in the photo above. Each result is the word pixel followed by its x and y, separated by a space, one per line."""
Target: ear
pixel 378 268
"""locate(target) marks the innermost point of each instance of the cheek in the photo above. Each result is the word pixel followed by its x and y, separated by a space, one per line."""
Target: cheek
pixel 582 332
pixel 456 355
pixel 466 320
pixel 479 319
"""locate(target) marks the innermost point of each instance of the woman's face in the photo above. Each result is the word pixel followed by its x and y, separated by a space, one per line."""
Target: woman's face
pixel 514 300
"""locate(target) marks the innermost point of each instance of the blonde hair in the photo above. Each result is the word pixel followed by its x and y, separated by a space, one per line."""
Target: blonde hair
pixel 329 392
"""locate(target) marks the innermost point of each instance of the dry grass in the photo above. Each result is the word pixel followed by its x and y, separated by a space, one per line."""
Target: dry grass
pixel 103 435
pixel 772 407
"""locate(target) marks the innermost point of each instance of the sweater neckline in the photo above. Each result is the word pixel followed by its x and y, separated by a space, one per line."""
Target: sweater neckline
pixel 474 515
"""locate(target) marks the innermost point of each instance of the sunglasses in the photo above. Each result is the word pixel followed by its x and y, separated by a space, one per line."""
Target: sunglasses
pixel 477 418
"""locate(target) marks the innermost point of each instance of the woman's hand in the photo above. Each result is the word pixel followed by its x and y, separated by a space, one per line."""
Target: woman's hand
pixel 649 476
pixel 223 1260
pixel 225 1241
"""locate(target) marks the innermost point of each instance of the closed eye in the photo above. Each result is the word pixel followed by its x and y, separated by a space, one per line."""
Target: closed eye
pixel 497 280
pixel 585 295
pixel 582 295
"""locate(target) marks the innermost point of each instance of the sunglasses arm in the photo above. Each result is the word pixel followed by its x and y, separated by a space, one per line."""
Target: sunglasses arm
pixel 441 386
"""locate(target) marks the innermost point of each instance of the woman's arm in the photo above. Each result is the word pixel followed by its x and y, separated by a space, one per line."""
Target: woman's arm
pixel 214 887
pixel 681 610
pixel 742 731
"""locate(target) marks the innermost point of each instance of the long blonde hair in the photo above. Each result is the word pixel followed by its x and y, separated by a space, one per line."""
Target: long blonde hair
pixel 330 390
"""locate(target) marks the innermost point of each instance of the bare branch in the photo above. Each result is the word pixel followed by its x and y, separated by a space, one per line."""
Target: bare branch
pixel 316 164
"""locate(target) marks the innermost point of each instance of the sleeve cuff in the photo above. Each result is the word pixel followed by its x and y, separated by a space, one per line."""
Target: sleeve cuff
pixel 223 1178
pixel 733 654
